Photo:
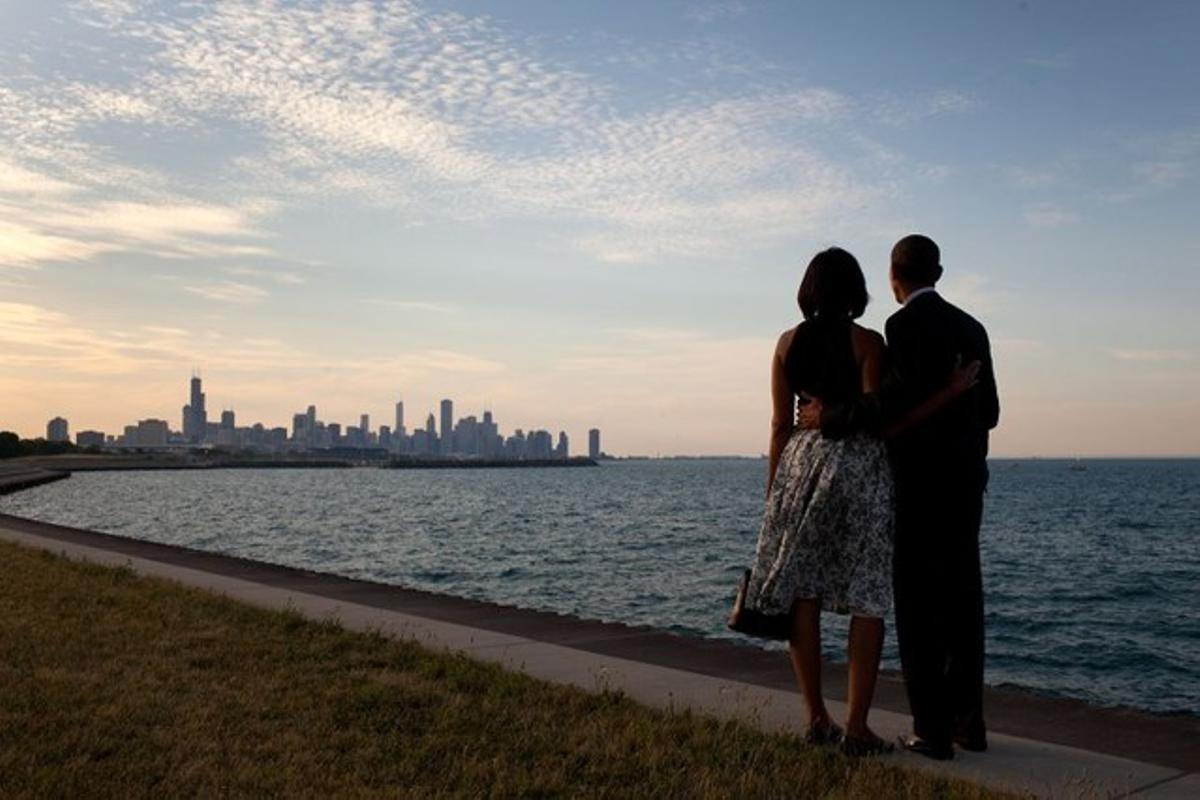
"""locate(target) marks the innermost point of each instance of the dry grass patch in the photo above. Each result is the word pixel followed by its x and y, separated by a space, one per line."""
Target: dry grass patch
pixel 117 685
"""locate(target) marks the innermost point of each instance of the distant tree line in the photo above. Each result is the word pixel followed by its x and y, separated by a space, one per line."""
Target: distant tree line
pixel 12 446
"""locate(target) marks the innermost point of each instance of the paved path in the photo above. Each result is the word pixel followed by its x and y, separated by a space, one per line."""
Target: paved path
pixel 1047 747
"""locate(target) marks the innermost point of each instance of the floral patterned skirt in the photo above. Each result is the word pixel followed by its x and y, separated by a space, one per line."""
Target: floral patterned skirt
pixel 828 528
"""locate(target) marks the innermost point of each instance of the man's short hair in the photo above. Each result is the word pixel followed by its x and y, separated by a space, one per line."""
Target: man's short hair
pixel 917 261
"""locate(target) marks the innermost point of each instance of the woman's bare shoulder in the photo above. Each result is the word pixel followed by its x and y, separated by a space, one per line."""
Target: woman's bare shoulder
pixel 867 340
pixel 785 342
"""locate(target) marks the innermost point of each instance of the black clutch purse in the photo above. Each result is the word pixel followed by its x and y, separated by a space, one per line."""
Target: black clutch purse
pixel 755 623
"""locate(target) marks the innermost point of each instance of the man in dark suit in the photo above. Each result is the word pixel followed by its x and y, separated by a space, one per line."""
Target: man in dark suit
pixel 940 469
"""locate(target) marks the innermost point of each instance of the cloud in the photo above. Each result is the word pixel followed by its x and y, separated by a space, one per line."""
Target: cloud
pixel 1162 174
pixel 23 246
pixel 1161 163
pixel 53 360
pixel 1010 346
pixel 229 292
pixel 1152 356
pixel 82 229
pixel 432 361
pixel 448 116
pixel 1053 61
pixel 33 336
pixel 443 116
pixel 904 111
pixel 669 356
pixel 48 218
pixel 164 330
pixel 20 180
pixel 281 277
pixel 411 305
pixel 1035 178
pixel 709 13
pixel 948 101
pixel 969 290
pixel 1049 216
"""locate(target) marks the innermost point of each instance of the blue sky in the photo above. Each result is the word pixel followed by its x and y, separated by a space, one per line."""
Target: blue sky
pixel 588 214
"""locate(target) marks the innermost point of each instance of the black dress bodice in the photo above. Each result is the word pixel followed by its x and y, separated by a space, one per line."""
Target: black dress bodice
pixel 820 362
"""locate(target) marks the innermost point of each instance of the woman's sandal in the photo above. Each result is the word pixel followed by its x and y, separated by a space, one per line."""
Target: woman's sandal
pixel 825 735
pixel 854 747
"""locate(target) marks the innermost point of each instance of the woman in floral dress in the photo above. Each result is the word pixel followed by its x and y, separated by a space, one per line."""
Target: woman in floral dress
pixel 826 537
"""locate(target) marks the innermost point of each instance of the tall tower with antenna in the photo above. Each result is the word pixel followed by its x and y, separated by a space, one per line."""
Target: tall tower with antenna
pixel 195 416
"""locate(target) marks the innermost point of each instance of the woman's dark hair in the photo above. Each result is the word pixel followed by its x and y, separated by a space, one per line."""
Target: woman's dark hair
pixel 833 287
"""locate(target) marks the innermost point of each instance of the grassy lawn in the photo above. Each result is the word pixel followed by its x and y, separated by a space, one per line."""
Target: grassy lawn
pixel 116 685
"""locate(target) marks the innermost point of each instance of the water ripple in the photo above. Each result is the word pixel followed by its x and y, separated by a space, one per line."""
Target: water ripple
pixel 1090 575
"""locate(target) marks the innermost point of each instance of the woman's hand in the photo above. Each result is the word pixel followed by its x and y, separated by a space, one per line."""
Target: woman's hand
pixel 808 412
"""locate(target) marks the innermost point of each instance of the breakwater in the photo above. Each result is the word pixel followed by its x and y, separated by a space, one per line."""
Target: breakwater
pixel 16 480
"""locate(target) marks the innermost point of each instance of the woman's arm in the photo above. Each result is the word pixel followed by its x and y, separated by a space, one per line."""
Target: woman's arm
pixel 782 400
pixel 869 350
pixel 962 378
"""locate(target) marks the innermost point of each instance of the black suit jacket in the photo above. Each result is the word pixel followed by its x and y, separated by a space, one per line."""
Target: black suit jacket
pixel 925 339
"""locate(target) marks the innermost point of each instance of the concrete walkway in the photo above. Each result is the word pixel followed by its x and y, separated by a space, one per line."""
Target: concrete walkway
pixel 1152 757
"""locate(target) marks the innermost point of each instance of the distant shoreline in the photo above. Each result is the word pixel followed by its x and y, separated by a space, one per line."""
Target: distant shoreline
pixel 137 462
pixel 488 463
pixel 68 463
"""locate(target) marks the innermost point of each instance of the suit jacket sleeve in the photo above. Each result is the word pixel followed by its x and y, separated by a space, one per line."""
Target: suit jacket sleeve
pixel 989 398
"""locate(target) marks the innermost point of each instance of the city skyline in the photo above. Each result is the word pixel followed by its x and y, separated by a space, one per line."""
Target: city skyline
pixel 468 436
pixel 592 213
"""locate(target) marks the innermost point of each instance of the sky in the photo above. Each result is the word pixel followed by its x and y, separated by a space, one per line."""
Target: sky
pixel 589 214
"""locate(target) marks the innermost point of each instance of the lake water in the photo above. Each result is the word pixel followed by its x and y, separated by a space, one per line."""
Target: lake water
pixel 1090 567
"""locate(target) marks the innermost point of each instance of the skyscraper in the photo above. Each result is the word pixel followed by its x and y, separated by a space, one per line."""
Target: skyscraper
pixel 594 443
pixel 539 444
pixel 430 435
pixel 195 417
pixel 490 441
pixel 447 429
pixel 89 439
pixel 227 433
pixel 151 433
pixel 300 428
pixel 364 422
pixel 399 429
pixel 57 430
pixel 563 450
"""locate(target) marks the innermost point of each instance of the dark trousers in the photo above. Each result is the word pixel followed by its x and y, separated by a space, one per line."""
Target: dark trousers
pixel 939 609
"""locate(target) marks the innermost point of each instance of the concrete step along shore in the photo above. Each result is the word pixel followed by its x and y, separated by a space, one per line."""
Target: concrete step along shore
pixel 14 480
pixel 1051 748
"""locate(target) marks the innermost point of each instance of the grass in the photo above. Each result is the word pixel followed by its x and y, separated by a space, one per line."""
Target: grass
pixel 117 685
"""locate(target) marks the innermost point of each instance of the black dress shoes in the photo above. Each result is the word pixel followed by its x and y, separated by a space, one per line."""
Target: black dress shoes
pixel 975 743
pixel 924 747
pixel 971 735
